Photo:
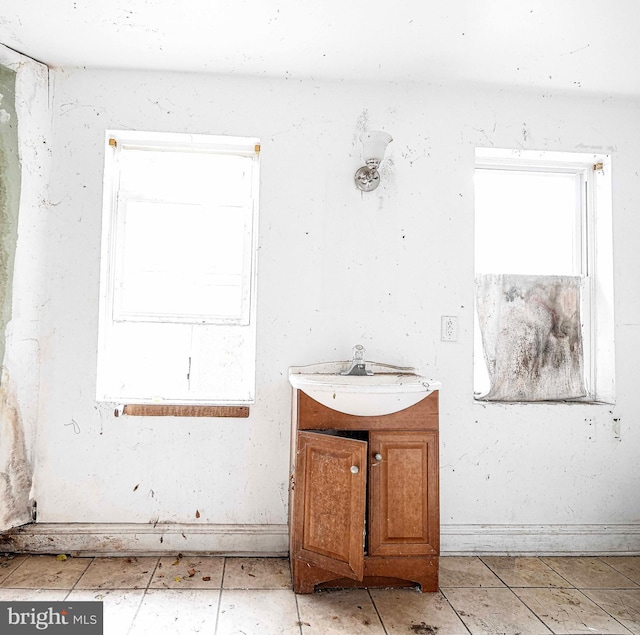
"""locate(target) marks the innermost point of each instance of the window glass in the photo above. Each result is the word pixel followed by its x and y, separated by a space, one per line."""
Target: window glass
pixel 182 261
pixel 527 222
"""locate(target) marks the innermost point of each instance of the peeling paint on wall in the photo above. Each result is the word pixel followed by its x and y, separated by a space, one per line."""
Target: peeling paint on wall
pixel 9 194
pixel 16 477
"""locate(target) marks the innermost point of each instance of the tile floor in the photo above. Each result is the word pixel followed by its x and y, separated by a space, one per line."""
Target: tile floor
pixel 253 596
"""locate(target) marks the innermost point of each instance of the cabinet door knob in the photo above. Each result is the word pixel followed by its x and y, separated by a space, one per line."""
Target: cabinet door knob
pixel 354 469
pixel 378 457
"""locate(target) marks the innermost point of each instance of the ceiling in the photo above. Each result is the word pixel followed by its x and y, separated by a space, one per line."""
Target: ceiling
pixel 590 46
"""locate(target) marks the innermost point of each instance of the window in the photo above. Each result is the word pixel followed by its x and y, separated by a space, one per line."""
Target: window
pixel 177 314
pixel 544 280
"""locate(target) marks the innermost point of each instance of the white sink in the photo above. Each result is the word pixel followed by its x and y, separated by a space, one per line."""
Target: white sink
pixel 390 388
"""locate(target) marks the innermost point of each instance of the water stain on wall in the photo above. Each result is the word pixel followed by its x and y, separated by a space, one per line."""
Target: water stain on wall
pixel 10 176
pixel 16 474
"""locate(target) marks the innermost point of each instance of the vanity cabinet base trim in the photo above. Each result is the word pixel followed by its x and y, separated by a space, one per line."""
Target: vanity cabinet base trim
pixel 378 572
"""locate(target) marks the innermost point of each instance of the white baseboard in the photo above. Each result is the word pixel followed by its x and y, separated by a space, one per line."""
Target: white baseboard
pixel 523 540
pixel 84 539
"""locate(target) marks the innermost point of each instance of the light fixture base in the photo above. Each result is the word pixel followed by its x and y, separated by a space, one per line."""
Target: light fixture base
pixel 367 179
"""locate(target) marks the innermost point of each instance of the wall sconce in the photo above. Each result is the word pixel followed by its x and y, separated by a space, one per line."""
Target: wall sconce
pixel 374 144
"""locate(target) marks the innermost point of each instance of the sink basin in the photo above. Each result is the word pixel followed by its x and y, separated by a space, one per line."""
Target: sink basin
pixel 390 388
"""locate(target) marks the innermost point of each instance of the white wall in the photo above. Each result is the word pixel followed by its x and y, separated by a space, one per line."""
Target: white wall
pixel 336 268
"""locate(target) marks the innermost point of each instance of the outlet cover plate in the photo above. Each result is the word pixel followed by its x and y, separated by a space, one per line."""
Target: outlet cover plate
pixel 449 328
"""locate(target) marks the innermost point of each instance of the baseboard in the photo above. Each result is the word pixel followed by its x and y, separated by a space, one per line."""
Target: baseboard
pixel 84 539
pixel 523 540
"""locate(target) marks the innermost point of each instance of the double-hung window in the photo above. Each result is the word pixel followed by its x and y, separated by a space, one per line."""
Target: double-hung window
pixel 178 272
pixel 544 281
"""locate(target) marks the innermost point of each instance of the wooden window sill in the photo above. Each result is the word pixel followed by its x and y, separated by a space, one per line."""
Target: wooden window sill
pixel 154 410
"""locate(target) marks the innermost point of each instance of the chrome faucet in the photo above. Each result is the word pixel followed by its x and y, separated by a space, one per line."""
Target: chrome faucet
pixel 357 365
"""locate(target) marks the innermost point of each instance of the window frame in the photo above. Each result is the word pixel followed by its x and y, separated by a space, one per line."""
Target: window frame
pixel 595 256
pixel 111 269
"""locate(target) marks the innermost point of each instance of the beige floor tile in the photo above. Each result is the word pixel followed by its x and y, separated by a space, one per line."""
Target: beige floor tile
pixel 119 607
pixel 257 573
pixel 8 564
pixel 494 612
pixel 627 565
pixel 258 611
pixel 466 572
pixel 405 611
pixel 622 604
pixel 188 573
pixel 118 573
pixel 33 595
pixel 173 612
pixel 568 611
pixel 589 573
pixel 524 572
pixel 344 611
pixel 46 572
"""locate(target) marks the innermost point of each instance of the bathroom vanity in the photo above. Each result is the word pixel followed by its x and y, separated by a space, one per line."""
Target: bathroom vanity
pixel 364 507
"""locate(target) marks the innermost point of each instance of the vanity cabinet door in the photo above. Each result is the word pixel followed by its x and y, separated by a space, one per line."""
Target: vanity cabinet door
pixel 404 504
pixel 329 503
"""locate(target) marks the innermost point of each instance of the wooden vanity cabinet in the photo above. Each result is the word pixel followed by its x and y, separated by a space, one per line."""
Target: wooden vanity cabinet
pixel 364 497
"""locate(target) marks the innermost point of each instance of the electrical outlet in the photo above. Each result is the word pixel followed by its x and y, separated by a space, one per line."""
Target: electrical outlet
pixel 449 328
